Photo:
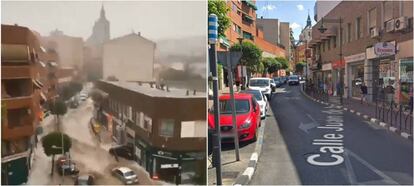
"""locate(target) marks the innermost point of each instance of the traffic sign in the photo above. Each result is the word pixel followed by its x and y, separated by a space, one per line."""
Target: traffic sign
pixel 231 60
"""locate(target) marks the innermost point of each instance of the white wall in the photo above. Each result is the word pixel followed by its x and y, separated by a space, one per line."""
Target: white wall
pixel 129 59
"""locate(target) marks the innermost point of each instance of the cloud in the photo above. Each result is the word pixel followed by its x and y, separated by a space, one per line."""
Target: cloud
pixel 295 26
pixel 300 7
pixel 269 7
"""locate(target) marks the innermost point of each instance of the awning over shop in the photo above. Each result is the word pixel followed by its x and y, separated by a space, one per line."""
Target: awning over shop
pixel 223 40
pixel 37 83
pixel 251 4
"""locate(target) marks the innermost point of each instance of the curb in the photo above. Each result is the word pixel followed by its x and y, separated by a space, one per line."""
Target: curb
pixel 247 174
pixel 367 118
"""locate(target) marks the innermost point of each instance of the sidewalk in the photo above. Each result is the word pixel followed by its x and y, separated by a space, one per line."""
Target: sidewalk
pixel 390 117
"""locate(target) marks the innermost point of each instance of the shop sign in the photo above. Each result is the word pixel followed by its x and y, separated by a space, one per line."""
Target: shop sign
pixel 356 57
pixel 327 66
pixel 338 64
pixel 169 166
pixel 384 49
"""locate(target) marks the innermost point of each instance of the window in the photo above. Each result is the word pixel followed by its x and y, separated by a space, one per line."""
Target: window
pixel 388 10
pixel 148 124
pixel 372 19
pixel 358 32
pixel 323 46
pixel 328 42
pixel 138 119
pixel 349 32
pixel 193 129
pixel 334 41
pixel 129 113
pixel 167 128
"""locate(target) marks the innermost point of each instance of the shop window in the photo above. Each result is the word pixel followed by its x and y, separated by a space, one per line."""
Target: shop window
pixel 148 124
pixel 406 79
pixel 193 129
pixel 167 128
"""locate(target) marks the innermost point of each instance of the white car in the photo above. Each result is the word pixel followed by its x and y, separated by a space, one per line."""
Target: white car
pixel 293 80
pixel 262 84
pixel 126 175
pixel 261 100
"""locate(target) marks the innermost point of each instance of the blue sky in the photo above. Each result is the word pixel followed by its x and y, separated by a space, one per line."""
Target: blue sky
pixel 294 12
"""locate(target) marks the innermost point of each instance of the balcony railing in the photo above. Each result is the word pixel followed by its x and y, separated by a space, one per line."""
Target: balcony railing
pixel 14 72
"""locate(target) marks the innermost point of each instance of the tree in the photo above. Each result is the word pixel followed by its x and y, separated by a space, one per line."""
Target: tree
pixel 299 67
pixel 219 7
pixel 58 108
pixel 251 55
pixel 283 61
pixel 271 65
pixel 52 145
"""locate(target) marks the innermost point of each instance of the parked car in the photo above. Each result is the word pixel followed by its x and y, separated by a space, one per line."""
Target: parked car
pixel 247 113
pixel 65 165
pixel 262 84
pixel 273 85
pixel 125 151
pixel 87 179
pixel 126 175
pixel 293 80
pixel 261 100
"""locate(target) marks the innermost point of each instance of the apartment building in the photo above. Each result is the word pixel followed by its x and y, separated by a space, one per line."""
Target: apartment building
pixel 166 126
pixel 376 40
pixel 20 102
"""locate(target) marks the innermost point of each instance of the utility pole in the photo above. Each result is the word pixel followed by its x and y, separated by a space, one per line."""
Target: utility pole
pixel 212 39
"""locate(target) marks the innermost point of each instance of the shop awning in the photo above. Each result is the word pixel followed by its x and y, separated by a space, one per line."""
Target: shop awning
pixel 37 83
pixel 251 4
pixel 224 41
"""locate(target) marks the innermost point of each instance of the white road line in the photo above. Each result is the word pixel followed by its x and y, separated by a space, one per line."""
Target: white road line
pixel 350 170
pixel 372 168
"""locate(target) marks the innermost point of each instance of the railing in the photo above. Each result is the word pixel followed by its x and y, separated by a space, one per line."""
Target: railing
pixel 396 115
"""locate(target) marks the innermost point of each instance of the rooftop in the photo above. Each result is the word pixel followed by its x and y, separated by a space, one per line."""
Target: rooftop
pixel 156 90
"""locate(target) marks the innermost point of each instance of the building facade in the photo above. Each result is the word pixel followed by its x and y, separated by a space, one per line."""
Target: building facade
pixel 376 48
pixel 129 58
pixel 169 141
pixel 21 100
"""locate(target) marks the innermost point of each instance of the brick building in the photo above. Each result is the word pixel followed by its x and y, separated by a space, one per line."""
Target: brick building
pixel 166 126
pixel 377 50
pixel 21 111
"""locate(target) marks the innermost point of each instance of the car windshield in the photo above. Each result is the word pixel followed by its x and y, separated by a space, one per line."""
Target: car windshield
pixel 242 106
pixel 256 94
pixel 259 82
pixel 129 173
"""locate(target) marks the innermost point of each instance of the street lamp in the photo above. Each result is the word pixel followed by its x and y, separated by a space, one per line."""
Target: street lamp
pixel 241 50
pixel 322 29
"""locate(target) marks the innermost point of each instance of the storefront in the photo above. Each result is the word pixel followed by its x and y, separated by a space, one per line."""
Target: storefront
pixel 15 169
pixel 337 69
pixel 327 78
pixel 406 80
pixel 355 74
pixel 382 74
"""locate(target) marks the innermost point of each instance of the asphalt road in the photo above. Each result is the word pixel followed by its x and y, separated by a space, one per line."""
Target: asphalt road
pixel 371 155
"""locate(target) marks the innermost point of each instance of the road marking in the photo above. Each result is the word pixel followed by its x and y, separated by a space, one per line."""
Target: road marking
pixel 350 169
pixel 372 168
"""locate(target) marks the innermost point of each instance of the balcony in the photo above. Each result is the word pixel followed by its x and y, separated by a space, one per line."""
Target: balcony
pixel 18 123
pixel 18 102
pixel 15 72
pixel 15 54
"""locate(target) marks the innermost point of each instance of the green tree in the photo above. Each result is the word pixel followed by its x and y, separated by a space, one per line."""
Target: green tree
pixel 271 65
pixel 283 61
pixel 219 7
pixel 299 67
pixel 251 55
pixel 58 108
pixel 52 144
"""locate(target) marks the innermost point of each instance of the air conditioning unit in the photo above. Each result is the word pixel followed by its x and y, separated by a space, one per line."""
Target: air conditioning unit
pixel 389 25
pixel 401 23
pixel 374 32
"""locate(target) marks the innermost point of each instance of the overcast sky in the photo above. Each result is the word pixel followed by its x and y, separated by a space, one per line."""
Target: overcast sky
pixel 154 19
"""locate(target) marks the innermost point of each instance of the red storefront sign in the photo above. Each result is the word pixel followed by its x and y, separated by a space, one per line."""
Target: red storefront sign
pixel 338 64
